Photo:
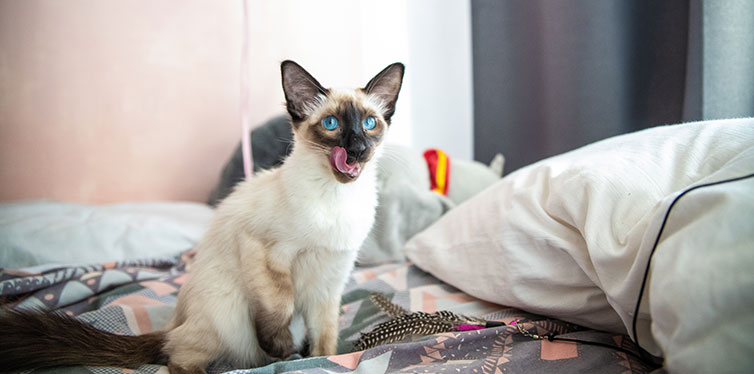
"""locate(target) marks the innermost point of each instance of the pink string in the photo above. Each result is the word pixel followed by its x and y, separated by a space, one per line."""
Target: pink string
pixel 248 163
pixel 467 327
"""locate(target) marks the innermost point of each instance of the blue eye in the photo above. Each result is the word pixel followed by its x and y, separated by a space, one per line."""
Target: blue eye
pixel 369 123
pixel 330 122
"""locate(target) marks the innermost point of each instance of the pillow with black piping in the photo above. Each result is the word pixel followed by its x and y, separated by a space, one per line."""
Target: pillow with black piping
pixel 570 236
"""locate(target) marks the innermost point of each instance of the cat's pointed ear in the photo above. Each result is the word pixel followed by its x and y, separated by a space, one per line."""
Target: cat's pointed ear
pixel 302 91
pixel 385 86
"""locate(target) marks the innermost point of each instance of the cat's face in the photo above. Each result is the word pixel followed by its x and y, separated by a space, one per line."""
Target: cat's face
pixel 343 126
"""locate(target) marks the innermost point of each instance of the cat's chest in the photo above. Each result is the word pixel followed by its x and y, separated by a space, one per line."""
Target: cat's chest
pixel 332 220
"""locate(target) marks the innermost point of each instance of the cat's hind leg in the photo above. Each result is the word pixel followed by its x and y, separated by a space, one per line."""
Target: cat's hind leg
pixel 220 327
pixel 177 369
pixel 188 349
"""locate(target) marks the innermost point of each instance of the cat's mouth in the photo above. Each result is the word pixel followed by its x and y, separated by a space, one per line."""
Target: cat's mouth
pixel 338 161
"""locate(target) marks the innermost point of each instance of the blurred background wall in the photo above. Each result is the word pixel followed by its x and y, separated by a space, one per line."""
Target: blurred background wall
pixel 133 100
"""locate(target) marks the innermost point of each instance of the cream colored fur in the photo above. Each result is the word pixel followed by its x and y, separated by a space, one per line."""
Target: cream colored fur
pixel 272 266
pixel 297 218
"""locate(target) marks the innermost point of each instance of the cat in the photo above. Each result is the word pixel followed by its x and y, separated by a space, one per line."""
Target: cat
pixel 272 266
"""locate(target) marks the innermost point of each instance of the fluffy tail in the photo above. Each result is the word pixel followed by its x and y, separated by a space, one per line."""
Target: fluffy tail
pixel 33 339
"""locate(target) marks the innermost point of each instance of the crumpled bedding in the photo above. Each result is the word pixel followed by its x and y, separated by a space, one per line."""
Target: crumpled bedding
pixel 138 296
pixel 44 232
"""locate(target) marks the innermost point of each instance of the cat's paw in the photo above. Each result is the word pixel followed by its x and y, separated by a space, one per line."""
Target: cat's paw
pixel 277 343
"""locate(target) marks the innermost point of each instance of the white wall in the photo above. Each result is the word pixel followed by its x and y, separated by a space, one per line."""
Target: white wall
pixel 345 42
pixel 342 43
pixel 441 75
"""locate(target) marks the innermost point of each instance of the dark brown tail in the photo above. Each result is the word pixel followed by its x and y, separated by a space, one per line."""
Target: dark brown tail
pixel 33 339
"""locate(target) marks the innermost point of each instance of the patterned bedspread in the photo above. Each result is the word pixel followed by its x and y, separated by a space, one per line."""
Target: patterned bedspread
pixel 136 297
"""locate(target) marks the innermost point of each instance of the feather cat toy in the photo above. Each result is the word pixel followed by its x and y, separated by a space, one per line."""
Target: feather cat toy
pixel 405 324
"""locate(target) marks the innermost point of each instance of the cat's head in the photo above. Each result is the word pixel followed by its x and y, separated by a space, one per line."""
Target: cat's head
pixel 343 126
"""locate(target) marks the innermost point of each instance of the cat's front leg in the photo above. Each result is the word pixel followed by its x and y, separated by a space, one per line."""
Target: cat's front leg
pixel 319 296
pixel 271 322
pixel 270 286
pixel 273 315
pixel 322 324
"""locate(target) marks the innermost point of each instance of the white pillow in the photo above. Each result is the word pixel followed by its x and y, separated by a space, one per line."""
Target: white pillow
pixel 701 293
pixel 569 237
pixel 43 232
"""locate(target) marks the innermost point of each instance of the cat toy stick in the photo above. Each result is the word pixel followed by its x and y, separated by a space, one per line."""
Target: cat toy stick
pixel 248 163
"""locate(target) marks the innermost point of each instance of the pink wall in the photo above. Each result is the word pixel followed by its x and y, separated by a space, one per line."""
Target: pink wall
pixel 104 101
pixel 136 100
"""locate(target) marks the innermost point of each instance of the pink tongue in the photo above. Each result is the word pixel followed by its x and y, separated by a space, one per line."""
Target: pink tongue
pixel 338 158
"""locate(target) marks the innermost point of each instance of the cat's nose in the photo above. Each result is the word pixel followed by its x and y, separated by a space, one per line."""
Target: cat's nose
pixel 355 151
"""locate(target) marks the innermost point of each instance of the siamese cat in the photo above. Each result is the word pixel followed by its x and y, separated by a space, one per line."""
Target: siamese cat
pixel 272 266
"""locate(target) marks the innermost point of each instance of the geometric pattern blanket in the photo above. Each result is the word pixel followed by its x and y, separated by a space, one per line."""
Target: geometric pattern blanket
pixel 136 297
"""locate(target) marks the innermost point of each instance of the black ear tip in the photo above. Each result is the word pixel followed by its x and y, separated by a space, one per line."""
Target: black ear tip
pixel 287 64
pixel 395 69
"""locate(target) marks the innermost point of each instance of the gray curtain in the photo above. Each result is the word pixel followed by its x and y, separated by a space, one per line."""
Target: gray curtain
pixel 550 76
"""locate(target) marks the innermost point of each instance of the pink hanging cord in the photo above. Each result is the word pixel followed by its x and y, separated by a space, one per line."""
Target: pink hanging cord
pixel 248 162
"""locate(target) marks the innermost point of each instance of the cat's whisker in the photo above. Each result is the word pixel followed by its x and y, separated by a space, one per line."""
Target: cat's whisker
pixel 316 146
pixel 284 140
pixel 393 157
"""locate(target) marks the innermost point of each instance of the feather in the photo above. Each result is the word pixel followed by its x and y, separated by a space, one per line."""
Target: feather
pixel 392 310
pixel 405 324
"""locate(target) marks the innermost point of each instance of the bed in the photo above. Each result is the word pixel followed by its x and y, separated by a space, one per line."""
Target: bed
pixel 560 247
pixel 138 296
